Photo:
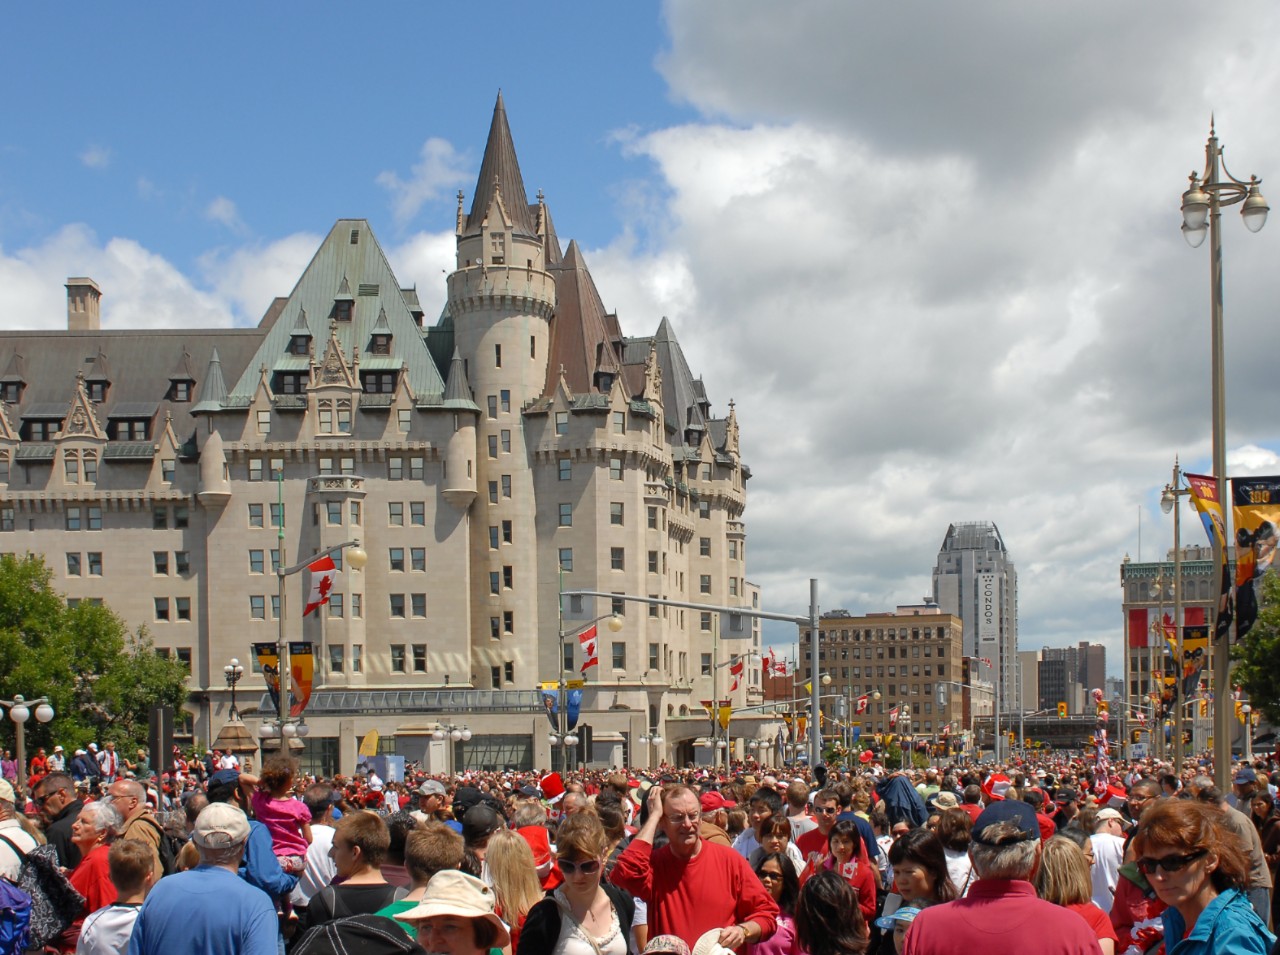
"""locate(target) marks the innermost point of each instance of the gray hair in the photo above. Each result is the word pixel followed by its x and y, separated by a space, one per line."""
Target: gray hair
pixel 1003 858
pixel 528 813
pixel 103 816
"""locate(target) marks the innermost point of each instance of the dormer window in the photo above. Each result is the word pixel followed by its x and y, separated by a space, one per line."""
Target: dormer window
pixel 11 391
pixel 301 344
pixel 380 345
pixel 96 390
pixel 290 383
pixel 129 429
pixel 378 382
pixel 180 390
pixel 342 309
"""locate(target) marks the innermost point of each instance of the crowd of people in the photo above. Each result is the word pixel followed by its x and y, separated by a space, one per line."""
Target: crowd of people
pixel 1059 857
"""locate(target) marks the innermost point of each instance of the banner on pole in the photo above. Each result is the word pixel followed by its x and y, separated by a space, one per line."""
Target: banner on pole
pixel 1256 514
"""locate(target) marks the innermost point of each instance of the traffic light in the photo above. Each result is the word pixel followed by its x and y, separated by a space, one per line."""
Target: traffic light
pixel 1062 711
pixel 1135 735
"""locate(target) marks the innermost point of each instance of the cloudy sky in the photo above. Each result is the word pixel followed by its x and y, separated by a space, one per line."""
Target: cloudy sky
pixel 931 250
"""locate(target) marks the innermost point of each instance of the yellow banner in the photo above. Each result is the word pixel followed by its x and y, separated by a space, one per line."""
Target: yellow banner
pixel 726 713
pixel 369 745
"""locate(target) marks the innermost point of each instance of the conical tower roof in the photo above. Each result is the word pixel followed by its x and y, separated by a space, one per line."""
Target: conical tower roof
pixel 213 391
pixel 580 343
pixel 457 392
pixel 500 171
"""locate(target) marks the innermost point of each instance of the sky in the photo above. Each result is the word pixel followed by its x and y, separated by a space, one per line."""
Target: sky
pixel 931 251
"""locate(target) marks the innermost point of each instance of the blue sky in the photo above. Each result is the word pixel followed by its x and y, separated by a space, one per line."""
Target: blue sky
pixel 931 251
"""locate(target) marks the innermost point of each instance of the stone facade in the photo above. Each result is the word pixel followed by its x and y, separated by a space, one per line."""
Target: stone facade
pixel 519 446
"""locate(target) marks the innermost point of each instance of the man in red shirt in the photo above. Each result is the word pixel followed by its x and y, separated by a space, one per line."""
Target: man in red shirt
pixel 690 885
pixel 813 845
pixel 1001 910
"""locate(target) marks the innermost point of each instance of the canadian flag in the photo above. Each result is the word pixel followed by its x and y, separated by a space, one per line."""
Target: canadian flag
pixel 893 715
pixel 589 640
pixel 946 730
pixel 767 661
pixel 861 705
pixel 780 666
pixel 987 661
pixel 736 668
pixel 323 572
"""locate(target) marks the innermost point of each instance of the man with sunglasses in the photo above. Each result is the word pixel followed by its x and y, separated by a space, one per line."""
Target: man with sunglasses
pixel 59 805
pixel 813 845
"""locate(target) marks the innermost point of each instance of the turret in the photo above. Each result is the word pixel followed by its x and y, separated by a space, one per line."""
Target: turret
pixel 460 453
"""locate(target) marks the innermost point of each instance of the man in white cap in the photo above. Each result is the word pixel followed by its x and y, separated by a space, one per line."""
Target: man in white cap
pixel 12 836
pixel 57 762
pixel 209 909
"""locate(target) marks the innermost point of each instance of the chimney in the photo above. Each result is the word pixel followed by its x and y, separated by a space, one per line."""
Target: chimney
pixel 83 300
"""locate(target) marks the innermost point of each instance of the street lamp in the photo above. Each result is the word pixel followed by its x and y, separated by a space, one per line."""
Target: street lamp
pixel 20 712
pixel 1169 500
pixel 652 738
pixel 233 672
pixel 904 730
pixel 1202 204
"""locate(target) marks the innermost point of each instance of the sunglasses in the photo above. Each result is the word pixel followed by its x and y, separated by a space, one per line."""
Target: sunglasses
pixel 590 867
pixel 769 876
pixel 1170 863
pixel 827 810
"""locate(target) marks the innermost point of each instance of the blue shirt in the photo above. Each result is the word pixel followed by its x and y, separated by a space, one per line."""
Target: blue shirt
pixel 1227 926
pixel 260 867
pixel 207 910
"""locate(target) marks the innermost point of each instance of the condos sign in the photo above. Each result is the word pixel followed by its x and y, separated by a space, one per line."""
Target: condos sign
pixel 988 612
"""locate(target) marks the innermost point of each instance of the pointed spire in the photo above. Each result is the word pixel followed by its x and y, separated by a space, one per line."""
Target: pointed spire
pixel 300 324
pixel 457 391
pixel 213 391
pixel 500 172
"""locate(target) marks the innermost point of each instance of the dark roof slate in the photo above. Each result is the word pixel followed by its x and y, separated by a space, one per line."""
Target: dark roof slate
pixel 500 171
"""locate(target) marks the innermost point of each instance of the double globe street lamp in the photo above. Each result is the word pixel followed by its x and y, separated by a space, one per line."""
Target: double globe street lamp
pixel 20 710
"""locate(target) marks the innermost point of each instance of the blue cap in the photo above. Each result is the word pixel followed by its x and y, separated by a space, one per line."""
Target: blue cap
pixel 1014 811
pixel 905 913
pixel 225 777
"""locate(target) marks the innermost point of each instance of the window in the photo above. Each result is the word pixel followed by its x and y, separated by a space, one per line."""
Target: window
pixel 160 517
pixel 618 607
pixel 255 469
pixel 4 467
pixel 733 550
pixel 357 606
pixel 619 422
pixel 704 546
pixel 275 606
pixel 493 406
pixel 495 628
pixel 706 664
pixel 333 513
pixel 567 656
pixel 615 469
pixel 71 468
pixel 506 485
pixel 653 518
pixel 160 559
pixel 493 445
pixel 184 657
pixel 397 658
pixel 395 469
pixel 73 518
pixel 495 677
pixel 355 513
pixel 336 654
pixel 418 558
pixel 73 565
pixel 566 558
pixel 506 532
pixel 397 605
pixel 619 655
pixel 94 515
pixel 418 513
pixel 397 558
pixel 378 382
pixel 255 562
pixel 508 576
pixel 257 607
pixel 704 583
pixel 653 561
pixel 566 515
pixel 508 621
pixel 617 558
pixel 404 418
pixel 395 514
pixel 95 563
pixel 162 608
pixel 497 356
pixel 7 517
pixel 566 469
pixel 704 623
pixel 506 441
pixel 562 422
pixel 493 492
pixel 264 422
pixel 493 536
pixel 505 397
pixel 616 513
pixel 357 657
pixel 653 608
pixel 277 515
pixel 733 586
pixel 495 582
pixel 335 605
pixel 182 606
pixel 418 605
pixel 653 656
pixel 419 658
pixel 704 509
pixel 533 347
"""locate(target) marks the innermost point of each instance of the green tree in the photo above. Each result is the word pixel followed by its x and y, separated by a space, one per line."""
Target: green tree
pixel 1257 667
pixel 101 679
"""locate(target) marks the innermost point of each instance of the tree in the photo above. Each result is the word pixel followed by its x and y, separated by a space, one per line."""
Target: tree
pixel 101 680
pixel 1257 668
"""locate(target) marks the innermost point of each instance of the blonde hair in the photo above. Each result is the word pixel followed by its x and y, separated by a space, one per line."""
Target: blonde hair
pixel 1063 877
pixel 514 875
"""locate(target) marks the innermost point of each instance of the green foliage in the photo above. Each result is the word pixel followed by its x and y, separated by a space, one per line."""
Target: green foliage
pixel 100 679
pixel 1257 666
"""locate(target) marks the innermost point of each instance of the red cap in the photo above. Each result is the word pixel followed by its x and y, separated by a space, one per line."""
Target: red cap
pixel 552 786
pixel 713 801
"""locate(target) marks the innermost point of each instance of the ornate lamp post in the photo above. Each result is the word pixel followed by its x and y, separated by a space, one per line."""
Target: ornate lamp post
pixel 651 739
pixel 1201 211
pixel 233 671
pixel 20 712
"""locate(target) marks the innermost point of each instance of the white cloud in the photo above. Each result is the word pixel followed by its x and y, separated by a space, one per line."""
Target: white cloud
pixel 249 277
pixel 422 261
pixel 223 211
pixel 439 168
pixel 96 157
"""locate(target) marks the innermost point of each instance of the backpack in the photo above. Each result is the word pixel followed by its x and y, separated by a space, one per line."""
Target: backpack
pixel 15 918
pixel 169 848
pixel 55 903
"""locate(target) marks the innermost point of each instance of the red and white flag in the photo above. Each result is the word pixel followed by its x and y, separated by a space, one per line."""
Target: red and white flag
pixel 323 573
pixel 893 715
pixel 590 643
pixel 987 661
pixel 946 730
pixel 781 666
pixel 736 668
pixel 861 705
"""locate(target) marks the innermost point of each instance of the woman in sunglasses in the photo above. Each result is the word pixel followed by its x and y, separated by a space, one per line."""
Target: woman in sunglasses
pixel 583 916
pixel 1195 866
pixel 778 876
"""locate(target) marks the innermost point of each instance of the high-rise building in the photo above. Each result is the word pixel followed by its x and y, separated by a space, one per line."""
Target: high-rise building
pixel 1070 675
pixel 519 446
pixel 975 579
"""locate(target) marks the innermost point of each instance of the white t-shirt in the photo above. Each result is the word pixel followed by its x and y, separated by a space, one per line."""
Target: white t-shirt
pixel 1108 856
pixel 319 870
pixel 10 861
pixel 229 761
pixel 107 931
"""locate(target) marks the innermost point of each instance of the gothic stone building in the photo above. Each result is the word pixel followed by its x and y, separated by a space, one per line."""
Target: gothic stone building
pixel 518 446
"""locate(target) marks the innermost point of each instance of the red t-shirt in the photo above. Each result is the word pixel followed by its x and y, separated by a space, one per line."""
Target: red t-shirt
pixel 815 850
pixel 714 889
pixel 999 915
pixel 974 809
pixel 1096 918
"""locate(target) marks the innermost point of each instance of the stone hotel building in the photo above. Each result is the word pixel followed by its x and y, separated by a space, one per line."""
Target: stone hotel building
pixel 515 445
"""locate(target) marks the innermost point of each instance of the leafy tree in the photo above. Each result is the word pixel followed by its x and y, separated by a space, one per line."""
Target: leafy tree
pixel 101 680
pixel 1257 668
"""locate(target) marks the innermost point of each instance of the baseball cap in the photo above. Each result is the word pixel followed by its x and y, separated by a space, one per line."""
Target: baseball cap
pixel 1245 775
pixel 904 913
pixel 220 825
pixel 480 821
pixel 57 749
pixel 225 777
pixel 713 801
pixel 1014 811
pixel 1066 794
pixel 1108 813
pixel 432 787
pixel 666 945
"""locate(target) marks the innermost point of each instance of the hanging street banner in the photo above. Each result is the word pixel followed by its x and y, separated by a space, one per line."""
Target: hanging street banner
pixel 1204 495
pixel 1195 655
pixel 302 666
pixel 1256 515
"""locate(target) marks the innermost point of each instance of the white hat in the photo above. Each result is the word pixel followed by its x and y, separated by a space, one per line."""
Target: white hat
pixel 6 791
pixel 709 944
pixel 451 892
pixel 220 825
pixel 57 749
